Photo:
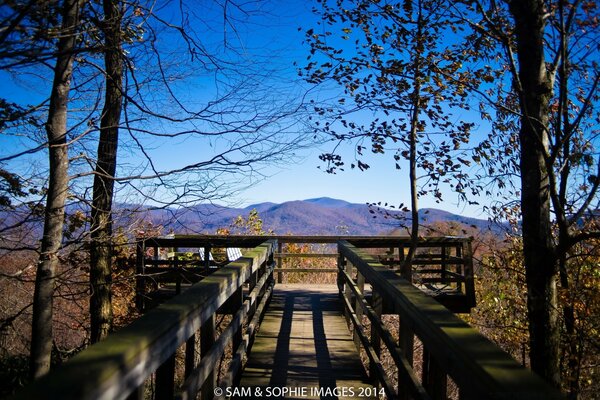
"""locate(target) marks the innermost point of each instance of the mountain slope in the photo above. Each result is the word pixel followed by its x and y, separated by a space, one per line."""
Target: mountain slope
pixel 321 216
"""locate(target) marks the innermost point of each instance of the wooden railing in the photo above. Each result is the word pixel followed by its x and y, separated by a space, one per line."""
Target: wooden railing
pixel 370 286
pixel 442 266
pixel 119 366
pixel 451 348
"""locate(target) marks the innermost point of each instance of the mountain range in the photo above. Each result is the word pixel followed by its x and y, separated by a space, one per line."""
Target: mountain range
pixel 319 216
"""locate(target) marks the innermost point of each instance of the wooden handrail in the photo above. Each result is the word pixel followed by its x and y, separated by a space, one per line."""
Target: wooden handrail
pixel 448 277
pixel 117 366
pixel 254 240
pixel 478 367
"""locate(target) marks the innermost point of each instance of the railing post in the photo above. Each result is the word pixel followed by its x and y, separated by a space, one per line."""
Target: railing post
pixel 341 264
pixel 459 267
pixel 237 299
pixel 406 342
pixel 140 283
pixel 434 379
pixel 469 274
pixel 251 285
pixel 406 337
pixel 177 271
pixel 165 379
pixel 377 305
pixel 279 261
pixel 406 269
pixel 207 339
pixel 358 308
pixel 138 393
pixel 444 260
pixel 190 355
pixel 348 292
pixel 207 258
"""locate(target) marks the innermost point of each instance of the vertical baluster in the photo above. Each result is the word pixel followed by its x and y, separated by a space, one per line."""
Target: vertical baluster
pixel 236 303
pixel 406 342
pixel 279 262
pixel 341 264
pixel 190 355
pixel 434 379
pixel 261 271
pixel 443 263
pixel 405 268
pixel 401 255
pixel 165 379
pixel 251 285
pixel 207 258
pixel 358 309
pixel 207 339
pixel 140 283
pixel 177 271
pixel 138 393
pixel 348 292
pixel 377 305
pixel 469 274
pixel 459 266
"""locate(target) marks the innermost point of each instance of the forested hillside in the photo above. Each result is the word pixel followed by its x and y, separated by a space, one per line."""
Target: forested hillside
pixel 321 216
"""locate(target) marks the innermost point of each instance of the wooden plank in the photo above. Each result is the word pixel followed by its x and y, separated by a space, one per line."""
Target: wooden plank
pixel 304 343
pixel 479 368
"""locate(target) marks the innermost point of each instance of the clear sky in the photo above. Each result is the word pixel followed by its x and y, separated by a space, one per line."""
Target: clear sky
pixel 302 179
pixel 271 33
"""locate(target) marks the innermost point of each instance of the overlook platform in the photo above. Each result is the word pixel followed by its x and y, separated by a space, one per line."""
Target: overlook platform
pixel 306 337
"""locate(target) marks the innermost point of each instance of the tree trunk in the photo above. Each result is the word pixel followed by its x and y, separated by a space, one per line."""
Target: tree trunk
pixel 538 249
pixel 413 139
pixel 101 312
pixel 58 185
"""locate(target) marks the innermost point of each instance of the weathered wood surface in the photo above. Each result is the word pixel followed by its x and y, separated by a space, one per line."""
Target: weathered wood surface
pixel 252 241
pixel 118 365
pixel 433 264
pixel 304 342
pixel 479 368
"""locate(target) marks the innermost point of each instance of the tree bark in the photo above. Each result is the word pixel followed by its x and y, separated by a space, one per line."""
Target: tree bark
pixel 58 186
pixel 413 139
pixel 535 87
pixel 101 312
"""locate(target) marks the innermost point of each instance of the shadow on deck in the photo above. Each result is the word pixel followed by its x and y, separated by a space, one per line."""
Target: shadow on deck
pixel 304 345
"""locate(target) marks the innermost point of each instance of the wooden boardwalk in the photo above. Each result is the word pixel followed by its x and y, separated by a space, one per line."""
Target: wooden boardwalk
pixel 304 346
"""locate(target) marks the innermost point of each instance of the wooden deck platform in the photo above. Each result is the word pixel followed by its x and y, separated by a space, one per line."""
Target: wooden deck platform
pixel 304 346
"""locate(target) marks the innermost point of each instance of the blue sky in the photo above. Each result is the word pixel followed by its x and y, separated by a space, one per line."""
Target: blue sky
pixel 271 34
pixel 304 179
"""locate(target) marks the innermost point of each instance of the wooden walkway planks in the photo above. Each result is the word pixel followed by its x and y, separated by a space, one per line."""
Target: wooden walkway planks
pixel 304 342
